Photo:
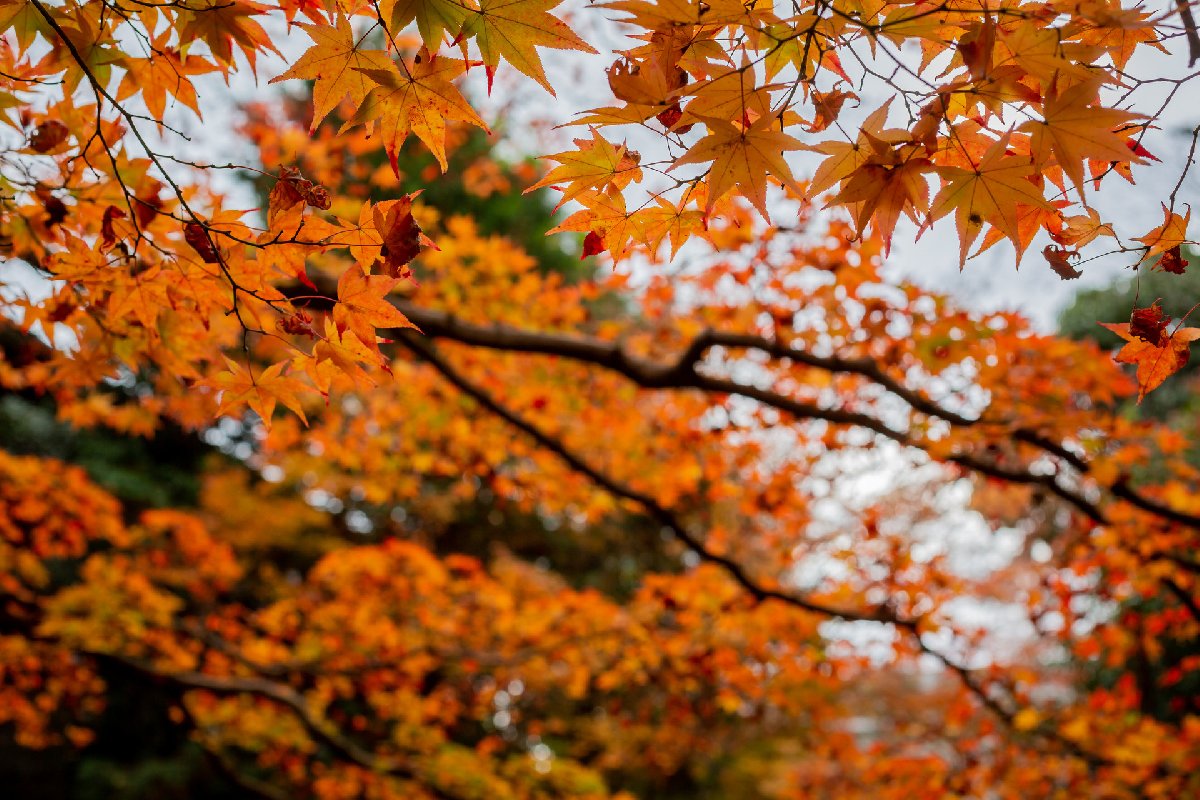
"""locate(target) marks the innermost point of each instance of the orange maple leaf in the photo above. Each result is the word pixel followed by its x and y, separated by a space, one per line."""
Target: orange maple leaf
pixel 239 386
pixel 596 164
pixel 166 73
pixel 513 29
pixel 1075 131
pixel 1168 236
pixel 991 192
pixel 743 157
pixel 362 305
pixel 890 183
pixel 607 218
pixel 335 63
pixel 1155 361
pixel 415 97
pixel 221 23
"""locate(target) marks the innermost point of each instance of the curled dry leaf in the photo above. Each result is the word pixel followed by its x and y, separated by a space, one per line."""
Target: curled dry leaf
pixel 1172 261
pixel 1059 259
pixel 1149 324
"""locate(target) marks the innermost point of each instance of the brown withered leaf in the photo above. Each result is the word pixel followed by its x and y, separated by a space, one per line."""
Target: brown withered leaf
pixel 48 135
pixel 108 233
pixel 293 189
pixel 402 237
pixel 196 236
pixel 1172 261
pixel 56 209
pixel 828 105
pixel 1059 259
pixel 1149 324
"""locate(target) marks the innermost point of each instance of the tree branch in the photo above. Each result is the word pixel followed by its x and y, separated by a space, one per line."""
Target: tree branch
pixel 285 696
pixel 682 374
pixel 420 347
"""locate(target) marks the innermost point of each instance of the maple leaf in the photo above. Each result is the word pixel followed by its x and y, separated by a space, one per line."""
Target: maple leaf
pixel 386 230
pixel 239 386
pixel 664 220
pixel 1081 229
pixel 605 216
pixel 1031 220
pixel 221 23
pixel 976 47
pixel 1172 261
pixel 1119 31
pixel 202 241
pixel 743 157
pixel 1075 130
pixel 108 228
pixel 1149 324
pixel 48 136
pixel 1156 361
pixel 433 17
pixel 335 63
pixel 843 158
pixel 731 96
pixel 513 29
pixel 807 53
pixel 1166 237
pixel 362 305
pixel 417 97
pixel 164 74
pixel 143 297
pixel 342 353
pixel 891 182
pixel 1059 259
pixel 990 193
pixel 1042 53
pixel 290 195
pixel 648 89
pixel 596 164
pixel 828 106
pixel 402 236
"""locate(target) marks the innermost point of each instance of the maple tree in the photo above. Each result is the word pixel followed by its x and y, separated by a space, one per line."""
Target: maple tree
pixel 494 526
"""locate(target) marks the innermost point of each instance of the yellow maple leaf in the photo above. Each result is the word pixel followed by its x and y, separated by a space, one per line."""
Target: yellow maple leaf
pixel 596 163
pixel 1171 234
pixel 513 29
pixel 743 157
pixel 988 193
pixel 340 354
pixel 335 63
pixel 433 17
pixel 415 97
pixel 362 305
pixel 239 386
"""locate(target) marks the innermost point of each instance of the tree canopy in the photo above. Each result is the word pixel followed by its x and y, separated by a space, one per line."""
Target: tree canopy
pixel 376 490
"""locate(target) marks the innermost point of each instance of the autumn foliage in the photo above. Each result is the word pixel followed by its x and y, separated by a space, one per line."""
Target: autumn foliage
pixel 730 513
